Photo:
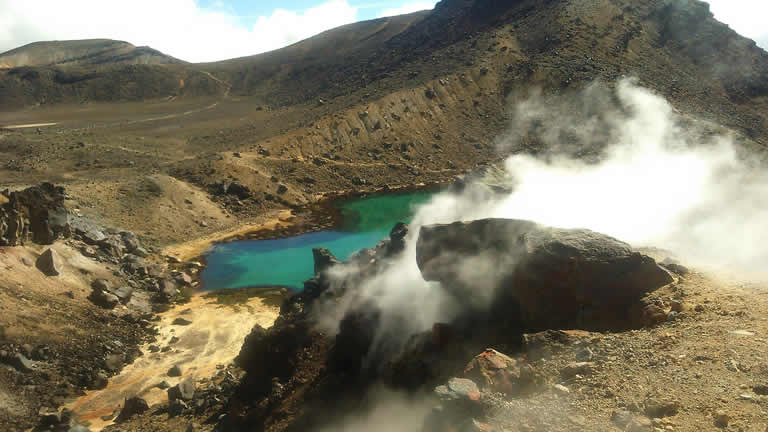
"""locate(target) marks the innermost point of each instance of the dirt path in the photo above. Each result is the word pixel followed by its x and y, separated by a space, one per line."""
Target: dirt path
pixel 31 125
pixel 214 338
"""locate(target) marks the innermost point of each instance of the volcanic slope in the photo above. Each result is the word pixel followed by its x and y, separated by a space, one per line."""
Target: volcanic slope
pixel 390 102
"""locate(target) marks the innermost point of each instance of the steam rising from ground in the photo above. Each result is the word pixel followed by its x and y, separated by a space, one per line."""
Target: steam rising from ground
pixel 652 178
pixel 389 412
pixel 645 175
pixel 659 182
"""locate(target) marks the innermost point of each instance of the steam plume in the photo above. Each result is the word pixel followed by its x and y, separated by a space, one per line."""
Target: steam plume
pixel 645 174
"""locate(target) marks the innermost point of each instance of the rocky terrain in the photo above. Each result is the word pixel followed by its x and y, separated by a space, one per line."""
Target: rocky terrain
pixel 388 102
pixel 77 298
pixel 688 356
pixel 153 159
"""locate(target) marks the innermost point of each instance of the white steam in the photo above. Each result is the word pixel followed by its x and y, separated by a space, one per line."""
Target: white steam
pixel 388 411
pixel 652 182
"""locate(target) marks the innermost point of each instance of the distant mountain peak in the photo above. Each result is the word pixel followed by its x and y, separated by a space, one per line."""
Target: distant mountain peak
pixel 83 52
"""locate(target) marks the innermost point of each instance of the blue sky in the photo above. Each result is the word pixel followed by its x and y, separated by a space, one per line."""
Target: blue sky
pixel 210 30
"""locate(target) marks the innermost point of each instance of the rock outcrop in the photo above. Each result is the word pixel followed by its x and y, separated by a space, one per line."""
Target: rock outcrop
pixel 546 277
pixel 35 214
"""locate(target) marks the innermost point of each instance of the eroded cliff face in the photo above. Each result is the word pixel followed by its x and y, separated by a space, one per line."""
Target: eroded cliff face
pixel 34 214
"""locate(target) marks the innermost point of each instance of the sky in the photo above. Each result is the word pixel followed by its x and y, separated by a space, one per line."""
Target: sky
pixel 210 30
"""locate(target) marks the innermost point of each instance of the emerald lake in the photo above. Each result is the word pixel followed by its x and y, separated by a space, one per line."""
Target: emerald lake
pixel 288 262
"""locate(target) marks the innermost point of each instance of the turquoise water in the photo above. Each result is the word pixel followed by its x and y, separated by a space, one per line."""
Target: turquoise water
pixel 288 261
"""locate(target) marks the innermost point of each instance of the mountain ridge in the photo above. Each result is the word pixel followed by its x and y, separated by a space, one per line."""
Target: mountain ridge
pixel 82 52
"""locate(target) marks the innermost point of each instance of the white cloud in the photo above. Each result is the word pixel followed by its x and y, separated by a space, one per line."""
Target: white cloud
pixel 747 17
pixel 177 27
pixel 185 30
pixel 407 8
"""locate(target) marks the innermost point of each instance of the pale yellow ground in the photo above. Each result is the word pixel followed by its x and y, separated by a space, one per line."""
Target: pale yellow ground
pixel 214 338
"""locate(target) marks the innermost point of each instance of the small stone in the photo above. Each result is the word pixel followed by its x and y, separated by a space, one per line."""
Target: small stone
pixel 676 306
pixel 123 294
pixel 639 424
pixel 163 385
pixel 561 389
pixel 722 419
pixel 585 354
pixel 175 371
pixel 658 408
pixel 49 417
pixel 458 389
pixel 761 389
pixel 101 285
pixel 621 418
pixel 113 362
pixel 99 381
pixel 580 368
pixel 177 407
pixel 181 322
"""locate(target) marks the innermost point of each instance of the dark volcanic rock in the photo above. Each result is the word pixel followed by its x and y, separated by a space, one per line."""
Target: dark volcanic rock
pixel 123 294
pixel 104 299
pixel 324 259
pixel 132 407
pixel 48 263
pixel 19 362
pixel 247 356
pixel 181 322
pixel 130 241
pixel 397 238
pixel 36 213
pixel 548 277
pixel 239 190
pixel 185 391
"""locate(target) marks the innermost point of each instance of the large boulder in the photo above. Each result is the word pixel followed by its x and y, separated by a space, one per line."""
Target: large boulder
pixel 184 390
pixel 37 213
pixel 132 407
pixel 496 372
pixel 542 277
pixel 18 361
pixel 397 238
pixel 324 260
pixel 48 263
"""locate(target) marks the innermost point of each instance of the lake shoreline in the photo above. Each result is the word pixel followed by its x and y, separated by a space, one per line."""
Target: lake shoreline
pixel 324 215
pixel 318 216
